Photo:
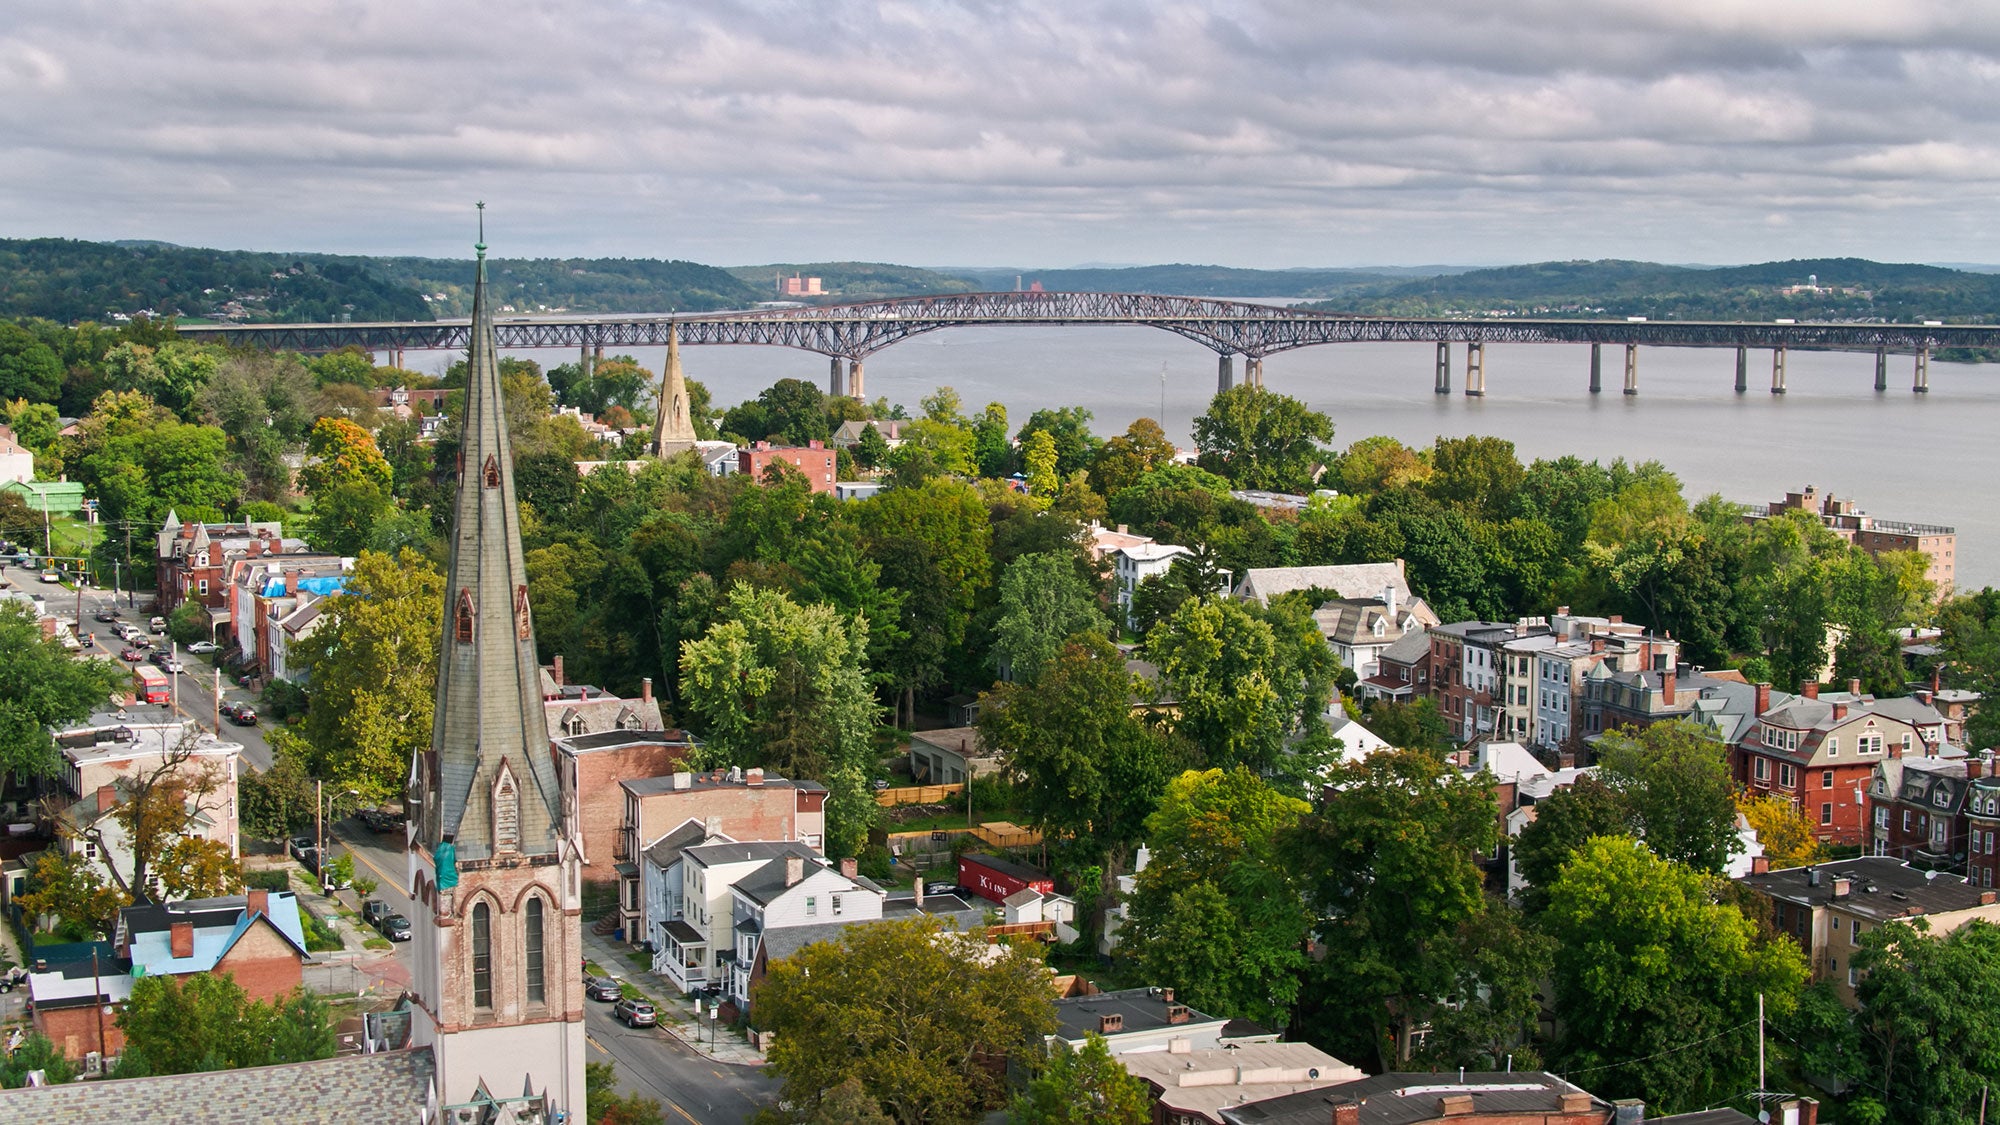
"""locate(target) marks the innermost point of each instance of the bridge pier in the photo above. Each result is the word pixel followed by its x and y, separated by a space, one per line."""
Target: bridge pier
pixel 1631 369
pixel 836 383
pixel 855 386
pixel 1881 369
pixel 1596 368
pixel 583 360
pixel 1742 369
pixel 1922 386
pixel 1778 371
pixel 1475 370
pixel 1444 368
pixel 1253 371
pixel 1225 372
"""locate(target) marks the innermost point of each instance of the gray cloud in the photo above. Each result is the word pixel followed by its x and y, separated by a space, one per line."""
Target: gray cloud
pixel 1287 132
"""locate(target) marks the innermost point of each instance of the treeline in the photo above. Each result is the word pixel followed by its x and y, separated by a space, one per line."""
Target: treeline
pixel 584 285
pixel 853 281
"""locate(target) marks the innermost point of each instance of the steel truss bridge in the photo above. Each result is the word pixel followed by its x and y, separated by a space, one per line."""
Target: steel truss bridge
pixel 852 332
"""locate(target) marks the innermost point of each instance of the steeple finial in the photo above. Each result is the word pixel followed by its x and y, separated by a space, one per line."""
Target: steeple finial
pixel 480 246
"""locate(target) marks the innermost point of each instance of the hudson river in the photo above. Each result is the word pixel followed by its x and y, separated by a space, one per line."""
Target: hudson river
pixel 1919 458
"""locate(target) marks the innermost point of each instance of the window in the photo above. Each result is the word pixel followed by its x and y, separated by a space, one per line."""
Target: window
pixel 1852 980
pixel 1826 812
pixel 1786 774
pixel 482 956
pixel 1826 779
pixel 1833 746
pixel 812 906
pixel 522 626
pixel 1868 744
pixel 492 471
pixel 836 905
pixel 462 617
pixel 204 587
pixel 537 982
pixel 1763 769
pixel 1906 820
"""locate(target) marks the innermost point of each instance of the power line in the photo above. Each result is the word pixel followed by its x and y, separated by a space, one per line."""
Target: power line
pixel 1659 1054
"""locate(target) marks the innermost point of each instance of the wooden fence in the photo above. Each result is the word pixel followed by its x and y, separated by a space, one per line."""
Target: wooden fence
pixel 917 795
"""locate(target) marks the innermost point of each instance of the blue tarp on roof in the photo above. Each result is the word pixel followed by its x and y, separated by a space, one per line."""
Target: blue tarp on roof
pixel 319 587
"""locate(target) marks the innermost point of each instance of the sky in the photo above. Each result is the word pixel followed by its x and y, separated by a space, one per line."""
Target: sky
pixel 1275 134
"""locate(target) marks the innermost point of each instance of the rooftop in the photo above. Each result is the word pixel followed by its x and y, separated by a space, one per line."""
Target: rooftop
pixel 684 781
pixel 1142 1009
pixel 1205 1081
pixel 1876 887
pixel 386 1087
pixel 1407 1098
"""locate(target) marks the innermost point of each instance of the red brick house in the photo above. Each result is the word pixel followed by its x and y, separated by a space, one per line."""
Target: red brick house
pixel 1822 754
pixel 258 937
pixel 814 459
pixel 193 559
pixel 1982 822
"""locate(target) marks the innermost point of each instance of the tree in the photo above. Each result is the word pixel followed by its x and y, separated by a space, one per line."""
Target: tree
pixel 69 887
pixel 1784 831
pixel 1656 984
pixel 274 803
pixel 1930 1019
pixel 203 1021
pixel 188 623
pixel 1068 428
pixel 604 1105
pixel 1218 912
pixel 783 685
pixel 848 1104
pixel 1142 448
pixel 916 1013
pixel 932 542
pixel 1564 822
pixel 1391 863
pixel 1416 725
pixel 1090 770
pixel 36 1052
pixel 991 451
pixel 373 663
pixel 871 449
pixel 1043 601
pixel 1086 1087
pixel 41 690
pixel 1377 463
pixel 1478 475
pixel 29 368
pixel 1247 679
pixel 1494 1009
pixel 159 814
pixel 1261 439
pixel 1038 459
pixel 1971 640
pixel 1674 779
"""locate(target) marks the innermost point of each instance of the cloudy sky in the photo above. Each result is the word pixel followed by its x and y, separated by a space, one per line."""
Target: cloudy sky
pixel 1281 133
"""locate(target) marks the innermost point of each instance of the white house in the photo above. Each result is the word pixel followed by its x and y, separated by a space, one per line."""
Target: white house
pixel 16 463
pixel 697 951
pixel 1135 564
pixel 792 890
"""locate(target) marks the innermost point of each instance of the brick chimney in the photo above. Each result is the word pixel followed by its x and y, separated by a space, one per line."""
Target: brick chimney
pixel 1763 698
pixel 1346 1112
pixel 1760 864
pixel 1575 1101
pixel 260 902
pixel 556 672
pixel 1923 697
pixel 646 689
pixel 180 938
pixel 1110 1024
pixel 1937 685
pixel 849 868
pixel 256 548
pixel 1839 711
pixel 1178 1013
pixel 795 870
pixel 1854 686
pixel 1667 684
pixel 107 797
pixel 1167 995
pixel 754 776
pixel 1809 688
pixel 291 583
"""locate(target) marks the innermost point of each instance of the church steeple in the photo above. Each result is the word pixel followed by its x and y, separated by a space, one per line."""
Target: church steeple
pixel 493 861
pixel 673 430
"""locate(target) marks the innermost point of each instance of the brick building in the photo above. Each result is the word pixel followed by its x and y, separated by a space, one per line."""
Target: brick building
pixel 1821 753
pixel 193 559
pixel 258 938
pixel 1982 823
pixel 593 765
pixel 1937 543
pixel 1515 1097
pixel 813 459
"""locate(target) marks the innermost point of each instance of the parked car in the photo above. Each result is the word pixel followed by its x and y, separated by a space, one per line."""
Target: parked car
pixel 157 624
pixel 168 664
pixel 636 1013
pixel 395 927
pixel 135 655
pixel 242 714
pixel 298 846
pixel 603 988
pixel 943 889
pixel 51 576
pixel 376 820
pixel 202 648
pixel 375 910
pixel 105 615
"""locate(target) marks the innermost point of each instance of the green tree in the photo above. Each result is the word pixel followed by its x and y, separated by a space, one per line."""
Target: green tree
pixel 1930 1019
pixel 1656 983
pixel 908 1009
pixel 1377 463
pixel 272 804
pixel 1479 475
pixel 1564 822
pixel 1038 459
pixel 1971 627
pixel 203 1021
pixel 1261 439
pixel 1086 1087
pixel 1247 679
pixel 932 542
pixel 848 1104
pixel 1069 433
pixel 373 663
pixel 1674 778
pixel 1129 456
pixel 783 686
pixel 1218 912
pixel 1416 725
pixel 1043 601
pixel 36 1052
pixel 991 450
pixel 29 369
pixel 67 887
pixel 871 449
pixel 1090 769
pixel 1391 863
pixel 42 689
pixel 1492 1013
pixel 1782 828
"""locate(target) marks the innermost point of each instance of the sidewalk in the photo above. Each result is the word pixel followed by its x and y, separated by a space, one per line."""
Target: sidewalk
pixel 677 1016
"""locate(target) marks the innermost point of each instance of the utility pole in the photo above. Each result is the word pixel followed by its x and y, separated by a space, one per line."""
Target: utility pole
pixel 218 702
pixel 97 1000
pixel 319 816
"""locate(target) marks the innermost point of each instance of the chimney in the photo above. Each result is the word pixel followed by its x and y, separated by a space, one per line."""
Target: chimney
pixel 1177 1013
pixel 683 779
pixel 1167 995
pixel 1459 1105
pixel 1923 697
pixel 1937 678
pixel 1616 619
pixel 1597 644
pixel 1854 686
pixel 256 548
pixel 1809 688
pixel 1389 602
pixel 849 868
pixel 107 797
pixel 1667 683
pixel 918 888
pixel 1180 1045
pixel 1575 1101
pixel 1110 1024
pixel 795 870
pixel 1760 865
pixel 1628 1111
pixel 646 689
pixel 180 937
pixel 754 776
pixel 1562 611
pixel 1839 711
pixel 291 583
pixel 1763 698
pixel 259 902
pixel 1346 1112
pixel 1842 887
pixel 1124 529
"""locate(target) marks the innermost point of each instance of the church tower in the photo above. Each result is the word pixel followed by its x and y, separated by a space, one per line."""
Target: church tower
pixel 494 876
pixel 673 430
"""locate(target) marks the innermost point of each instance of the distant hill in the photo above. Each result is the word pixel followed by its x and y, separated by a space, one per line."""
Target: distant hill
pixel 583 285
pixel 67 281
pixel 1841 289
pixel 851 281
pixel 1183 281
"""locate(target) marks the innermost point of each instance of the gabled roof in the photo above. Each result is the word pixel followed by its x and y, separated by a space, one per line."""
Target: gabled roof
pixel 768 884
pixel 1354 580
pixel 754 851
pixel 666 851
pixel 219 923
pixel 383 1087
pixel 1412 647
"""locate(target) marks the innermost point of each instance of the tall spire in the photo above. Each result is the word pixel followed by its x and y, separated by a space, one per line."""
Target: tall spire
pixel 673 430
pixel 492 787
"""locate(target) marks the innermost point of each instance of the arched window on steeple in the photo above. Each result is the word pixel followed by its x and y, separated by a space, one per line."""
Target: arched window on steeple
pixel 462 617
pixel 523 626
pixel 537 979
pixel 492 471
pixel 482 956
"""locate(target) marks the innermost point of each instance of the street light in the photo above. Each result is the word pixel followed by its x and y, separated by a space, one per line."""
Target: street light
pixel 320 810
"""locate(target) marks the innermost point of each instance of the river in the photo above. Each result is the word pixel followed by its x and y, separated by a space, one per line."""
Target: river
pixel 1899 455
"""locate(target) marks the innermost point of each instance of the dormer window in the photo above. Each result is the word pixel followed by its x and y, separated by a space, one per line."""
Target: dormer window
pixel 1942 797
pixel 492 471
pixel 523 625
pixel 462 617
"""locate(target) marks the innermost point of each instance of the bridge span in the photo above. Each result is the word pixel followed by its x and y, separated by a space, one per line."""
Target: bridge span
pixel 848 334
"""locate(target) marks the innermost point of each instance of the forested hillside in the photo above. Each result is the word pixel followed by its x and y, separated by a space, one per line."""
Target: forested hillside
pixel 586 285
pixel 69 281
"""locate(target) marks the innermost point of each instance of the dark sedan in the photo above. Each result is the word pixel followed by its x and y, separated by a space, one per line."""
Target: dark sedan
pixel 396 928
pixel 603 988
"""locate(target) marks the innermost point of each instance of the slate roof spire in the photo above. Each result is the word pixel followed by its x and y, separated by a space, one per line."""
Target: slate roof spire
pixel 673 429
pixel 490 781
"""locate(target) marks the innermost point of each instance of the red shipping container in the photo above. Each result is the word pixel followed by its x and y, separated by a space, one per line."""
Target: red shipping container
pixel 991 877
